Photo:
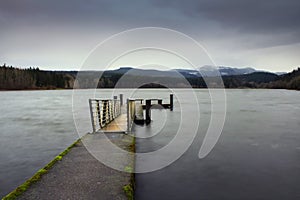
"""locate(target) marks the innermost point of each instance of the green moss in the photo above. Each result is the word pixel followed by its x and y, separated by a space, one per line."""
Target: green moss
pixel 37 176
pixel 131 147
pixel 58 158
pixel 42 171
pixel 128 169
pixel 129 188
pixel 129 191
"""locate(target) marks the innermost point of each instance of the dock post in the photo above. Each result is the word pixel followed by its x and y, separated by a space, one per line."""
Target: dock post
pixel 128 117
pixel 92 116
pixel 171 102
pixel 121 99
pixel 148 112
pixel 114 103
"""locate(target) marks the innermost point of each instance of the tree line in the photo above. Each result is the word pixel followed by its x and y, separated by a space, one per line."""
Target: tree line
pixel 12 78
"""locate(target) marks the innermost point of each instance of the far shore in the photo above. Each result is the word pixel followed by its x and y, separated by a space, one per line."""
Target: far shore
pixel 44 89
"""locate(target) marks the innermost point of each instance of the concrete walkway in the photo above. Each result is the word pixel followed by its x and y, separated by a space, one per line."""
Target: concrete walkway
pixel 80 176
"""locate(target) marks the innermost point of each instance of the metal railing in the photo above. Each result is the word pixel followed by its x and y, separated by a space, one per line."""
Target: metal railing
pixel 103 111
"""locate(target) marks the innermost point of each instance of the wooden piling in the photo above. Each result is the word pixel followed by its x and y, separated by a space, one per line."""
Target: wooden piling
pixel 92 116
pixel 159 101
pixel 128 115
pixel 148 112
pixel 171 102
pixel 121 99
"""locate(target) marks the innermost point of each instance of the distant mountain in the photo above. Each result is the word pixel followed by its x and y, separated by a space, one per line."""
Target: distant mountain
pixel 211 71
pixel 286 81
pixel 205 71
pixel 225 71
pixel 252 80
pixel 33 78
pixel 280 73
pixel 188 73
pixel 143 72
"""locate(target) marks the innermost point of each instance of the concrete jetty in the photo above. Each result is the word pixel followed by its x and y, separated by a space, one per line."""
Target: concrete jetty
pixel 78 175
pixel 79 172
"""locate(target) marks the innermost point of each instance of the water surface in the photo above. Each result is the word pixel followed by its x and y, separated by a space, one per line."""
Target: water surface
pixel 257 156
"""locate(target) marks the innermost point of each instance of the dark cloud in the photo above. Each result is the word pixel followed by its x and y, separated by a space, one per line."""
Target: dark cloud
pixel 246 15
pixel 243 15
pixel 244 23
pixel 277 19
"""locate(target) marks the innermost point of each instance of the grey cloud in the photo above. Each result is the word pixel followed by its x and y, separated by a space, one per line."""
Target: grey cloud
pixel 242 24
pixel 270 22
pixel 243 15
pixel 248 15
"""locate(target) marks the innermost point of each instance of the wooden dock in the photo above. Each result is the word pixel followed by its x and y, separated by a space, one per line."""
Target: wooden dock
pixel 111 116
pixel 119 124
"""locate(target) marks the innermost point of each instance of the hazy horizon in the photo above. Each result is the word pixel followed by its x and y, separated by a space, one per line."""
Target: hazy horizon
pixel 137 67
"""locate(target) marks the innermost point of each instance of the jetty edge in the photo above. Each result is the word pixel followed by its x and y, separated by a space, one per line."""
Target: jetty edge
pixel 126 186
pixel 130 187
pixel 38 175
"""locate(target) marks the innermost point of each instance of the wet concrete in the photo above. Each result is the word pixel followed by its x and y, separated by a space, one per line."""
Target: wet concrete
pixel 79 175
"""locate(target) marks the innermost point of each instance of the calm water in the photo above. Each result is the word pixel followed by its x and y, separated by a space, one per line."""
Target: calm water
pixel 257 156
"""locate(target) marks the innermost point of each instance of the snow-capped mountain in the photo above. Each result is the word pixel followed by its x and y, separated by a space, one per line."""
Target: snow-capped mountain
pixel 208 70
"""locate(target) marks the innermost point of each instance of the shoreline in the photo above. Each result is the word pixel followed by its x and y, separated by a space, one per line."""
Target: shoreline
pixel 43 89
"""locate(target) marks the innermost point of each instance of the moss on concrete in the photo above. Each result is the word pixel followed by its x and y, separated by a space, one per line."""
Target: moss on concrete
pixel 37 176
pixel 130 187
pixel 129 191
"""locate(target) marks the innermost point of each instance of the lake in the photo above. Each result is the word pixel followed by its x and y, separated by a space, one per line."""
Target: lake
pixel 256 157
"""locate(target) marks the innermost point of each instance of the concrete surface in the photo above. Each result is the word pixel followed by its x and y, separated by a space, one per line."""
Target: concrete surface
pixel 80 176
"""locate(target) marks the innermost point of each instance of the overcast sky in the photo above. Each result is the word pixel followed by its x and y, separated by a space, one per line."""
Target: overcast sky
pixel 59 34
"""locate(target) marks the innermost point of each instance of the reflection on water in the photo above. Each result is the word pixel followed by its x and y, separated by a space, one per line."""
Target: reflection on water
pixel 257 156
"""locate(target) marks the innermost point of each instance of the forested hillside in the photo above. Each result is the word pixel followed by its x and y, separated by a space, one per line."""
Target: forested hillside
pixel 287 81
pixel 32 78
